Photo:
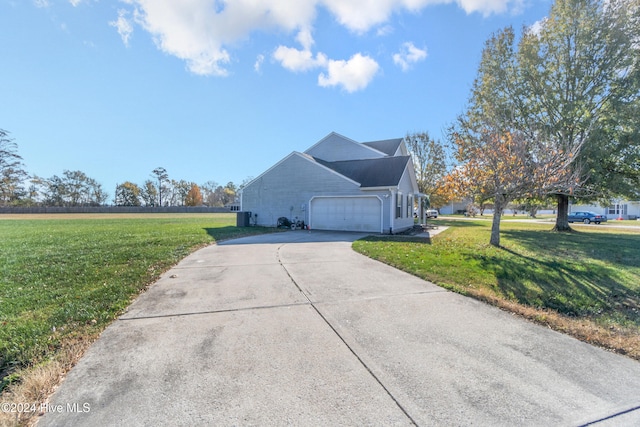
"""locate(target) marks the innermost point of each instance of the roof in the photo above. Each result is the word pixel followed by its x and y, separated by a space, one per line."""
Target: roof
pixel 381 172
pixel 387 146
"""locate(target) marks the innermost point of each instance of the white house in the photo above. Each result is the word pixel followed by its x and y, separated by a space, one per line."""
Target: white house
pixel 338 184
pixel 624 209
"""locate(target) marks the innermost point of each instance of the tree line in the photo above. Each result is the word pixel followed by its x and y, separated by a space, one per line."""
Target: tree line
pixel 75 188
pixel 163 191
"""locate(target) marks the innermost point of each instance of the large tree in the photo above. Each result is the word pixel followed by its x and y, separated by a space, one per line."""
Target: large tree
pixel 12 173
pixel 581 68
pixel 503 155
pixel 570 86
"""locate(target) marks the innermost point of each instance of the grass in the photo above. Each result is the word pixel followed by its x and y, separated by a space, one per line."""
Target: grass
pixel 64 278
pixel 585 283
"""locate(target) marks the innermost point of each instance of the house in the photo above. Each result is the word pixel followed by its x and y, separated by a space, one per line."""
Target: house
pixel 625 209
pixel 338 184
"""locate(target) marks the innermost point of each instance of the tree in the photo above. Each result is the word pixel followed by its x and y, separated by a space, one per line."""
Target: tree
pixel 127 194
pixel 180 190
pixel 162 177
pixel 194 196
pixel 149 193
pixel 430 163
pixel 209 190
pixel 503 166
pixel 582 76
pixel 74 188
pixel 12 174
pixel 502 155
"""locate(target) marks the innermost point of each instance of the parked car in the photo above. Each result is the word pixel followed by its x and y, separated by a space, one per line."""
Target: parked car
pixel 587 217
pixel 432 213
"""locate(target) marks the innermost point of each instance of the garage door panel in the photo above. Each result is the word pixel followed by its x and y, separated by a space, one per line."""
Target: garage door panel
pixel 346 213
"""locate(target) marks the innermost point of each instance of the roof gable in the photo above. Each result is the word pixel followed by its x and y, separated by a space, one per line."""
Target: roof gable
pixel 335 147
pixel 307 158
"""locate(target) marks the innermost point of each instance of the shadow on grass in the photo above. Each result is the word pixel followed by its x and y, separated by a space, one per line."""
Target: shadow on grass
pixel 460 223
pixel 581 274
pixel 400 238
pixel 614 248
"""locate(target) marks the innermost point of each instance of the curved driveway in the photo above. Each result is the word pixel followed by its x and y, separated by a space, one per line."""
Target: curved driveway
pixel 296 328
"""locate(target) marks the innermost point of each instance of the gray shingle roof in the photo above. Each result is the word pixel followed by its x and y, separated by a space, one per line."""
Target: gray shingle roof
pixel 381 172
pixel 387 146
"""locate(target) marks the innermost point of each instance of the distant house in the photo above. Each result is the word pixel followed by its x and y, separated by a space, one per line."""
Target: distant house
pixel 338 184
pixel 624 209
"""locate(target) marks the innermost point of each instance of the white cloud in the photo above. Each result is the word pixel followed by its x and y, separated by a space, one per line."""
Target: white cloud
pixel 488 7
pixel 409 55
pixel 298 60
pixel 41 3
pixel 123 25
pixel 353 75
pixel 536 27
pixel 75 3
pixel 201 32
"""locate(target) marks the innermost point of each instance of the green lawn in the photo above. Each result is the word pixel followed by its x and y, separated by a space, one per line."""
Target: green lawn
pixel 592 274
pixel 67 276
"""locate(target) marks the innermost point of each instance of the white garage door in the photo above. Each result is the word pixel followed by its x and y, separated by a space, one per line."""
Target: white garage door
pixel 346 213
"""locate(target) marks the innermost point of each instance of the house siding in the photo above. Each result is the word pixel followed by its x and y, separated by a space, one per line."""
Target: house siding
pixel 406 219
pixel 336 147
pixel 626 209
pixel 287 189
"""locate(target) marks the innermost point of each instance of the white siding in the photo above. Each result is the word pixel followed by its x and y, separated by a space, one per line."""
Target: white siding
pixel 286 189
pixel 406 189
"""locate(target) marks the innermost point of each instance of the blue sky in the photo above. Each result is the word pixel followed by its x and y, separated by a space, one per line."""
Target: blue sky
pixel 216 90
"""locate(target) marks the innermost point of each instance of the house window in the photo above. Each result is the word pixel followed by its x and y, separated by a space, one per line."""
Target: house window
pixel 617 210
pixel 399 205
pixel 409 205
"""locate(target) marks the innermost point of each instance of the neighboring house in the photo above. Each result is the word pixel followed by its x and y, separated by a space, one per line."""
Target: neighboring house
pixel 338 184
pixel 624 209
pixel 456 207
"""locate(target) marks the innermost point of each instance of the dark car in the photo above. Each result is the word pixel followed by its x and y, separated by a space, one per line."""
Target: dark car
pixel 587 217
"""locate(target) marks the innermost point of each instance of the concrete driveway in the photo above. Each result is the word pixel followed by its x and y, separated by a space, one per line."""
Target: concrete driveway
pixel 296 328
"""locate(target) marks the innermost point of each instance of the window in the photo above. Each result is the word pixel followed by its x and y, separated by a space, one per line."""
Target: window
pixel 409 205
pixel 617 210
pixel 399 205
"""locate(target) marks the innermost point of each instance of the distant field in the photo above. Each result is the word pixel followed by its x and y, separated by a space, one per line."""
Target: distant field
pixel 66 276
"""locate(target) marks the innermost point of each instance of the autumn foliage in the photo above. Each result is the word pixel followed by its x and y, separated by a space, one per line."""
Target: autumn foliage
pixel 194 196
pixel 506 166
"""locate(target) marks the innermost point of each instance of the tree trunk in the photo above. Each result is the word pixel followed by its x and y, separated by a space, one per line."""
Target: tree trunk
pixel 562 222
pixel 498 208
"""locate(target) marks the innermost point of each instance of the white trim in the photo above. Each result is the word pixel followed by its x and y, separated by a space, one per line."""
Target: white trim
pixel 349 197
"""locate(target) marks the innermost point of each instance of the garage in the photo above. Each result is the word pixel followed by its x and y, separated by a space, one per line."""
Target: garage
pixel 346 213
